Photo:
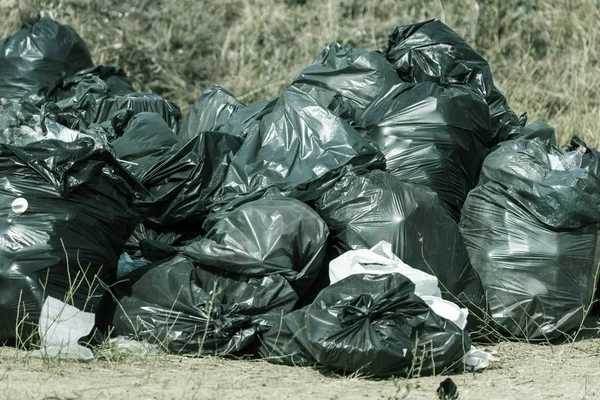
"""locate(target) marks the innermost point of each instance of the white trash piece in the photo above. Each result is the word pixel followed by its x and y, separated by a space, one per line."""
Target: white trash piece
pixel 477 360
pixel 60 327
pixel 125 345
pixel 448 310
pixel 568 161
pixel 381 260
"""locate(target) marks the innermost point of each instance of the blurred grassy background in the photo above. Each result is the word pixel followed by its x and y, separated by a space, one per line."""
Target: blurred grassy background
pixel 544 53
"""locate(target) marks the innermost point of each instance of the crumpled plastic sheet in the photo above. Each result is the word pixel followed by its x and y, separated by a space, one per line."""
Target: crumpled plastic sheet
pixel 60 327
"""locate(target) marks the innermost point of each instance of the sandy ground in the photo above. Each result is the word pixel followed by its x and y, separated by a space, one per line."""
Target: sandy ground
pixel 569 371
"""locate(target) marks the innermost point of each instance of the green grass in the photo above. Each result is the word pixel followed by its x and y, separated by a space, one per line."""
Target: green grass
pixel 544 53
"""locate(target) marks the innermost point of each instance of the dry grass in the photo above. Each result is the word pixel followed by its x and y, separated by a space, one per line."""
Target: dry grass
pixel 544 53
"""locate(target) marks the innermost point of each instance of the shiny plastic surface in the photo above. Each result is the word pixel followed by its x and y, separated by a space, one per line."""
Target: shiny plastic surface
pixel 93 102
pixel 218 110
pixel 432 135
pixel 23 123
pixel 560 199
pixel 66 211
pixel 189 310
pixel 184 181
pixel 361 211
pixel 37 54
pixel 213 109
pixel 144 138
pixel 374 325
pixel 264 237
pixel 431 51
pixel 358 76
pixel 64 86
pixel 532 236
pixel 300 148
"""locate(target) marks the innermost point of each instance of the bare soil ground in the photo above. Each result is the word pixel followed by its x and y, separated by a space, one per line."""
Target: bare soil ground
pixel 524 371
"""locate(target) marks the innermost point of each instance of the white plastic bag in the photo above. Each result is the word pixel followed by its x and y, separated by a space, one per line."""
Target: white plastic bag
pixel 60 327
pixel 448 310
pixel 381 260
pixel 477 360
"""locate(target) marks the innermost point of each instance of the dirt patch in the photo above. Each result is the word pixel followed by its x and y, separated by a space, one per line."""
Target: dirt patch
pixel 525 371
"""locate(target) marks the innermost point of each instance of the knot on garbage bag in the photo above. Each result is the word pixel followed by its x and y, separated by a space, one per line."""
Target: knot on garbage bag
pixel 360 308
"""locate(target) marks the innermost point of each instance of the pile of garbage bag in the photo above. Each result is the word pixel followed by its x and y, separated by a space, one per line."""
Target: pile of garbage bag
pixel 375 218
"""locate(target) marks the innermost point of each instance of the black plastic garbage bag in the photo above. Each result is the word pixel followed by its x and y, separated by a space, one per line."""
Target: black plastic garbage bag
pixel 143 142
pixel 190 310
pixel 93 102
pixel 528 169
pixel 540 130
pixel 66 211
pixel 182 178
pixel 432 135
pixel 300 148
pixel 184 181
pixel 358 75
pixel 219 111
pixel 361 211
pixel 37 54
pixel 147 238
pixel 213 109
pixel 532 232
pixel 374 325
pixel 64 86
pixel 265 237
pixel 590 160
pixel 431 51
